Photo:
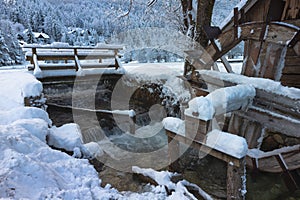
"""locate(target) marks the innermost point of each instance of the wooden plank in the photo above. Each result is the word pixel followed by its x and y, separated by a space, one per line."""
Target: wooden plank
pixel 268 163
pixel 234 181
pixel 97 65
pixel 277 103
pixel 204 148
pixel 271 62
pixel 246 9
pixel 99 47
pixel 288 178
pixel 290 78
pixel 276 32
pixel 276 123
pixel 173 153
pixel 253 50
pixel 226 64
pixel 58 66
pixel 292 60
pixel 291 70
pixel 77 62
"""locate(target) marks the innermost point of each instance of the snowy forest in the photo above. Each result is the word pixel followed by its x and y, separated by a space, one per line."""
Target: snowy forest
pixel 87 22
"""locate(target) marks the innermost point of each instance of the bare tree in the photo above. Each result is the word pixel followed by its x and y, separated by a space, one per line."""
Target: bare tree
pixel 197 14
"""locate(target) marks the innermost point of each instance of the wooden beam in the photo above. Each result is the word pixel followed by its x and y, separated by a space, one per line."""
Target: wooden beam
pixel 236 21
pixel 226 64
pixel 234 181
pixel 173 153
pixel 98 47
pixel 204 148
pixel 288 177
pixel 295 39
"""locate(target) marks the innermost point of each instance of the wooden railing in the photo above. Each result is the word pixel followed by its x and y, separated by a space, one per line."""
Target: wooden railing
pixel 72 57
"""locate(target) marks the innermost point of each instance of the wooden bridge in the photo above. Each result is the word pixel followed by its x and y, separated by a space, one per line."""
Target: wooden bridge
pixel 70 60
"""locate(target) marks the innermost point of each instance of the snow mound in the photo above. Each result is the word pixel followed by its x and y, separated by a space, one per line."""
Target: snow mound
pixel 9 116
pixel 32 170
pixel 18 85
pixel 163 178
pixel 65 137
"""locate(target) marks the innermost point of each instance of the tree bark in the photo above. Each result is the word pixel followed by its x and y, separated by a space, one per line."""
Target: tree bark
pixel 204 17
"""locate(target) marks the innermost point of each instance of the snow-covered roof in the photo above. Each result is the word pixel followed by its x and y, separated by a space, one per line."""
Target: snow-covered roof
pixel 41 35
pixel 38 34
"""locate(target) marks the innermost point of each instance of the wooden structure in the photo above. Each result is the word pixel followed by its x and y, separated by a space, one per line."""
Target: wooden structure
pixel 270 30
pixel 235 166
pixel 75 58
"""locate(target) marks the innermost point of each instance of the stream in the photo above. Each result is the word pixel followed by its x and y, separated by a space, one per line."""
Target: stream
pixel 147 147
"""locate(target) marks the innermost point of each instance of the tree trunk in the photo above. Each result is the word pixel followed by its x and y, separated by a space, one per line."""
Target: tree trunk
pixel 204 16
pixel 193 26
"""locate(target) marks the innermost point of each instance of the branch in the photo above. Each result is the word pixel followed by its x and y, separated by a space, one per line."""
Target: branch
pixel 151 3
pixel 127 13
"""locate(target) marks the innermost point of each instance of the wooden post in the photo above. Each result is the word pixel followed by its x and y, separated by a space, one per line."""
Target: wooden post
pixel 235 184
pixel 132 121
pixel 236 22
pixel 75 56
pixel 33 53
pixel 173 153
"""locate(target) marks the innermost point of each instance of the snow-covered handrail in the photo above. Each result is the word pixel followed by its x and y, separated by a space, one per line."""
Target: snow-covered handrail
pixel 221 101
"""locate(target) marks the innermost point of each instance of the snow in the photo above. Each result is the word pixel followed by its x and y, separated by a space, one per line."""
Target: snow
pixel 231 98
pixel 175 125
pixel 69 138
pixel 227 143
pixel 15 87
pixel 163 178
pixel 152 72
pixel 221 101
pixel 30 169
pixel 236 66
pixel 93 150
pixel 12 115
pixel 219 45
pixel 130 113
pixel 65 137
pixel 138 74
pixel 259 83
pixel 233 145
pixel 200 107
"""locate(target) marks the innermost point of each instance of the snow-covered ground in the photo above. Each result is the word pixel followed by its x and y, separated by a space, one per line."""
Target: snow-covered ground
pixel 30 169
